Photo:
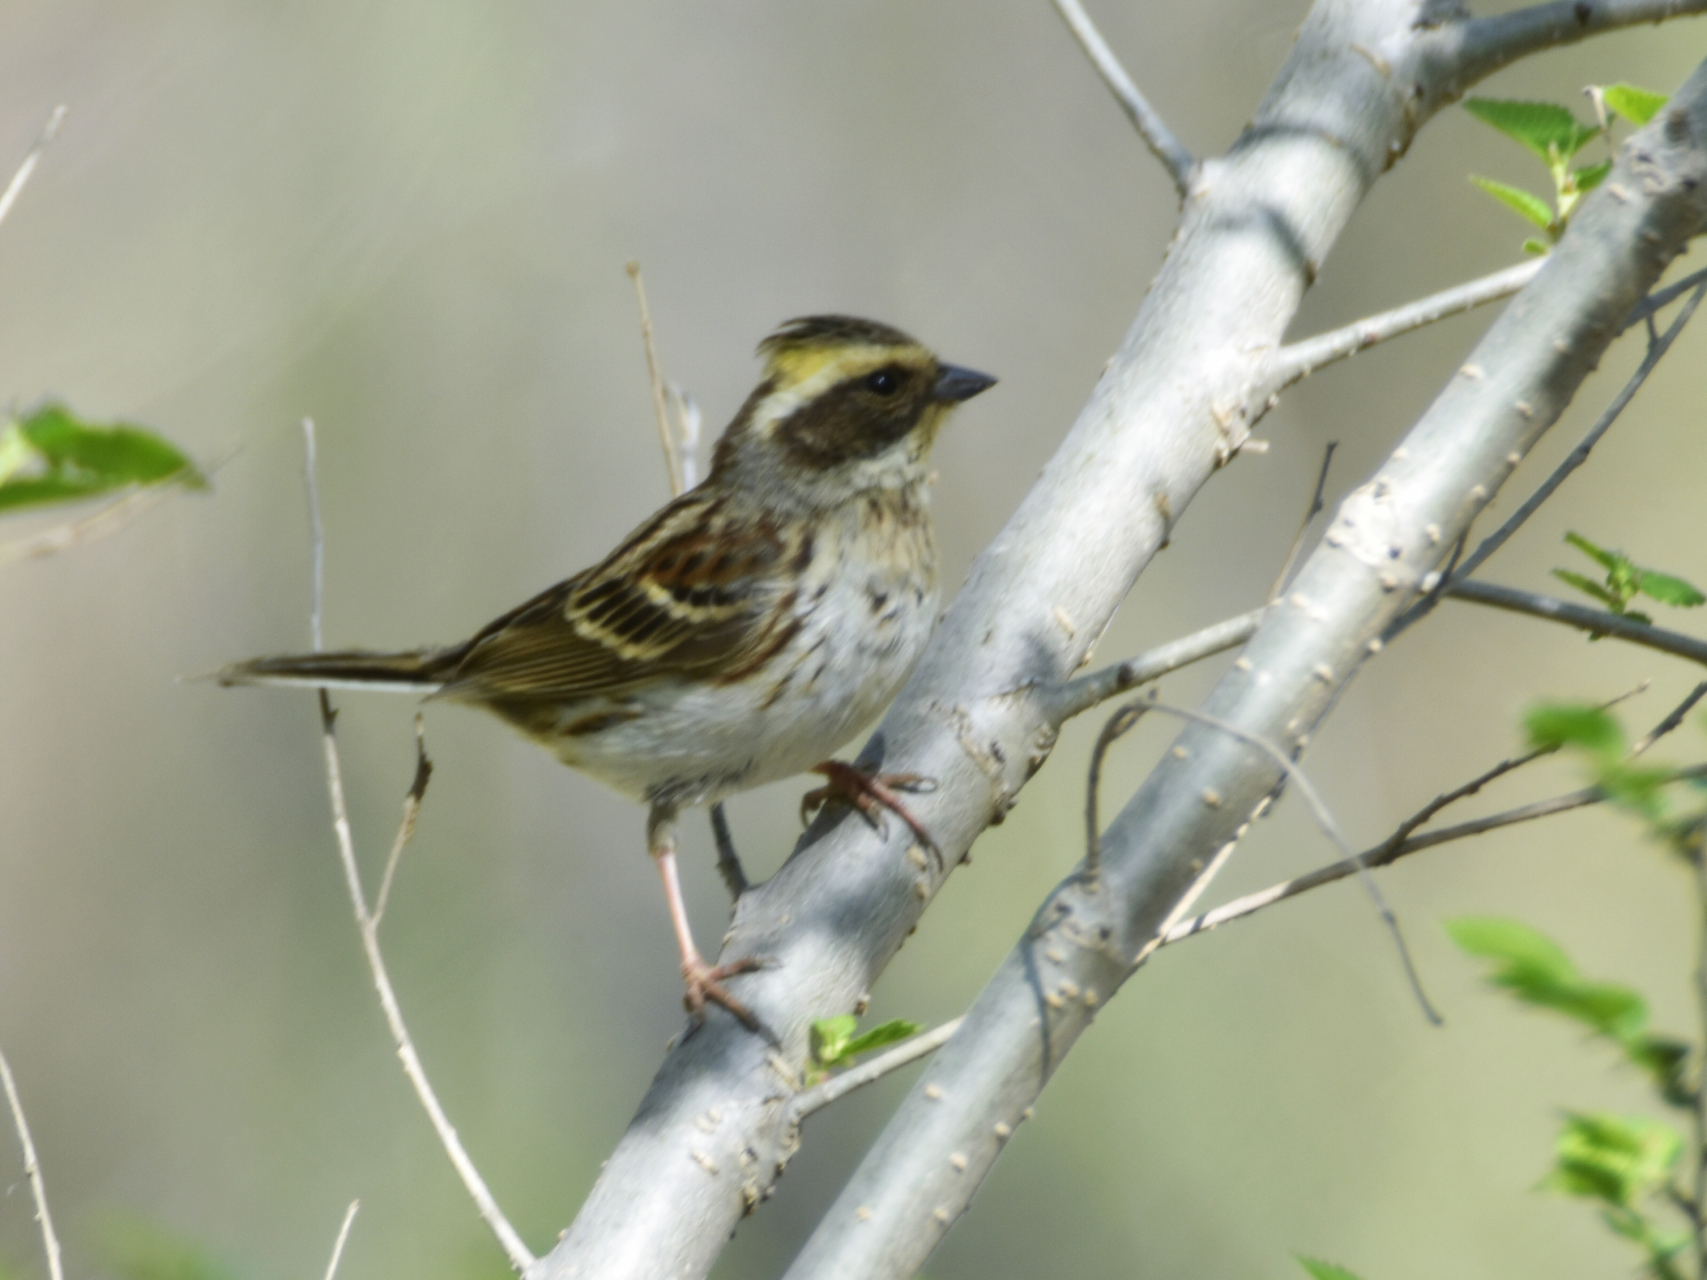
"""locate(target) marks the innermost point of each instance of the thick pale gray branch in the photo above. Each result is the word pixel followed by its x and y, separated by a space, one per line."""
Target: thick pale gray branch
pixel 924 1168
pixel 716 1128
pixel 1150 125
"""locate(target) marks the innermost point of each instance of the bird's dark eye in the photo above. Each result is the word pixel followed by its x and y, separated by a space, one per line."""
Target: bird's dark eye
pixel 885 382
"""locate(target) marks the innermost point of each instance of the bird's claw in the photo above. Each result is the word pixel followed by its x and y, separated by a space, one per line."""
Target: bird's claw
pixel 871 795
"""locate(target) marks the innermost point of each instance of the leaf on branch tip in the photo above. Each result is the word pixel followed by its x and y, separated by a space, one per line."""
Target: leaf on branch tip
pixel 1522 202
pixel 1669 590
pixel 835 1044
pixel 1638 106
pixel 50 455
pixel 1546 128
pixel 1551 725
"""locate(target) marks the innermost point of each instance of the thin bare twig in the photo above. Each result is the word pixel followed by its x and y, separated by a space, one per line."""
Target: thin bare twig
pixel 343 1235
pixel 1331 828
pixel 1254 902
pixel 32 1169
pixel 1118 723
pixel 672 458
pixel 1597 622
pixel 411 811
pixel 16 185
pixel 316 534
pixel 109 519
pixel 367 924
pixel 840 1085
pixel 1403 842
pixel 1657 349
pixel 1078 696
pixel 1298 360
pixel 1181 167
pixel 1315 509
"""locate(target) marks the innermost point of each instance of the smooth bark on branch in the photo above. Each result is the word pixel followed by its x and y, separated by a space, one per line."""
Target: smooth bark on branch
pixel 1388 534
pixel 714 1130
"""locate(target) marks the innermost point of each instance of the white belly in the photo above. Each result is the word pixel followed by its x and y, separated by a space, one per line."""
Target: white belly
pixel 863 627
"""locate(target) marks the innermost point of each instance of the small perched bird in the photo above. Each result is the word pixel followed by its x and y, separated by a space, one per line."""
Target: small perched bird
pixel 746 630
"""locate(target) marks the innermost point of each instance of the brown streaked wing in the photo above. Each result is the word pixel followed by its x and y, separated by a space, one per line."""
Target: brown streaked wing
pixel 694 592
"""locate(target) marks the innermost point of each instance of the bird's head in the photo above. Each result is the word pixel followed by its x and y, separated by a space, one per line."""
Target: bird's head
pixel 845 405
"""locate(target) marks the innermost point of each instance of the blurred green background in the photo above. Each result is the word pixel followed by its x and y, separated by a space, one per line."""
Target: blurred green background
pixel 409 220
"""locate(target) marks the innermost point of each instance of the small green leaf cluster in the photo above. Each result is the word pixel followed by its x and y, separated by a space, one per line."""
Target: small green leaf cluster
pixel 835 1044
pixel 1625 580
pixel 1595 735
pixel 1623 1164
pixel 50 455
pixel 1537 971
pixel 1554 134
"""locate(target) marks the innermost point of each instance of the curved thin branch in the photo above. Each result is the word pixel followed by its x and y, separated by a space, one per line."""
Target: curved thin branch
pixel 32 1170
pixel 1181 167
pixel 1597 622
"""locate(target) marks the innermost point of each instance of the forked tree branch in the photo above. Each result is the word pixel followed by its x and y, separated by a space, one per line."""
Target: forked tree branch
pixel 715 1128
pixel 924 1168
pixel 367 922
pixel 1404 841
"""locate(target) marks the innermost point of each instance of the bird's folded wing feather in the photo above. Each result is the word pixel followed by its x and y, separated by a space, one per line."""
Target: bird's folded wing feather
pixel 698 592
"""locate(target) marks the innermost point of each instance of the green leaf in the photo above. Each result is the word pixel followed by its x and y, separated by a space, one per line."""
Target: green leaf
pixel 1668 590
pixel 1536 248
pixel 883 1034
pixel 1608 560
pixel 52 456
pixel 1320 1270
pixel 1526 205
pixel 1618 1160
pixel 1537 971
pixel 1591 176
pixel 1638 106
pixel 830 1037
pixel 1546 128
pixel 1588 586
pixel 1552 725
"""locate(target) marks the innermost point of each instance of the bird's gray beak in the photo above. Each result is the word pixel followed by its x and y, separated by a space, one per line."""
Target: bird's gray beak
pixel 954 384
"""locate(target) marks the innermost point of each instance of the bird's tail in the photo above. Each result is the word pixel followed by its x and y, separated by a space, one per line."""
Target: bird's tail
pixel 420 671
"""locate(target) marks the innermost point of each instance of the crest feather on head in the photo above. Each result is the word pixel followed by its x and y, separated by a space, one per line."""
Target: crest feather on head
pixel 832 331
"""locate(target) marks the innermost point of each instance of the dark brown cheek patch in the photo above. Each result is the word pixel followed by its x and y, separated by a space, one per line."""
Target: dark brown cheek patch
pixel 847 424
